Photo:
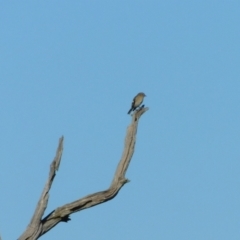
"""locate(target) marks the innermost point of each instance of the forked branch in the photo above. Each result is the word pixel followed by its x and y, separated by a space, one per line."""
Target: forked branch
pixel 39 225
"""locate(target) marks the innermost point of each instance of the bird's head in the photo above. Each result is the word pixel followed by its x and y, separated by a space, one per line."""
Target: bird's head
pixel 142 94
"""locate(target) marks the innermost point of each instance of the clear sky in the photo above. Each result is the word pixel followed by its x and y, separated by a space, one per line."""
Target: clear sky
pixel 72 68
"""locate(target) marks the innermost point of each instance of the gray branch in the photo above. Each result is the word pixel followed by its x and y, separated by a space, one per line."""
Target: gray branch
pixel 39 225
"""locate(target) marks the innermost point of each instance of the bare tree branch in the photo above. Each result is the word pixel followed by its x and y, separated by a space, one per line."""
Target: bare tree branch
pixel 35 226
pixel 39 226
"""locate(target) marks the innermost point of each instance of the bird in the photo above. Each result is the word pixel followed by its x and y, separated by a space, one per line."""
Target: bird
pixel 137 101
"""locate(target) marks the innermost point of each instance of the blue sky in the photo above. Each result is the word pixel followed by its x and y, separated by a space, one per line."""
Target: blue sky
pixel 72 69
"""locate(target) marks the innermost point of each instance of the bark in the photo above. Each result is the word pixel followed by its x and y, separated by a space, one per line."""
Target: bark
pixel 40 225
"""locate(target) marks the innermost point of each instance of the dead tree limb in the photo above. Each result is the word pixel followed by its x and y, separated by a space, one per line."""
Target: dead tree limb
pixel 39 225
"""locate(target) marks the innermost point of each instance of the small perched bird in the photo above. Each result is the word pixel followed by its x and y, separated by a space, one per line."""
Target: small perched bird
pixel 137 101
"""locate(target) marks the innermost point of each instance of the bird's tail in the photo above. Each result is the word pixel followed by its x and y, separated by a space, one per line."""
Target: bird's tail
pixel 129 111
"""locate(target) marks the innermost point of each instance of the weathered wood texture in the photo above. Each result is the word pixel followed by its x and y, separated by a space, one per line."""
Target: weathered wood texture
pixel 39 225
